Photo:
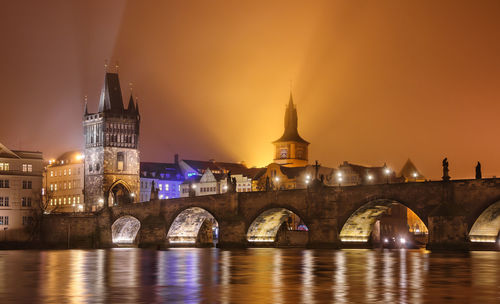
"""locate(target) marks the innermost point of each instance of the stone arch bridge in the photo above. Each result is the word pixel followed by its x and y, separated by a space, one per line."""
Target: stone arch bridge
pixel 458 215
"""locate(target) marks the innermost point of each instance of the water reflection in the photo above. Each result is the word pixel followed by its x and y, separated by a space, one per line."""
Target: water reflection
pixel 248 276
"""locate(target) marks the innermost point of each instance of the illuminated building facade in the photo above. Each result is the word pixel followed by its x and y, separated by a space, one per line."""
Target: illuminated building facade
pixel 166 179
pixel 291 150
pixel 210 177
pixel 20 192
pixel 111 149
pixel 63 183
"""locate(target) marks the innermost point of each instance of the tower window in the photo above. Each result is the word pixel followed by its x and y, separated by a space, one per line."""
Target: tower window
pixel 120 158
pixel 283 153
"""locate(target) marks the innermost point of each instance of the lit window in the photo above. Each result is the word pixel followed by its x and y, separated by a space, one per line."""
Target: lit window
pixel 51 173
pixel 69 185
pixel 51 187
pixel 161 196
pixel 55 187
pixel 64 200
pixel 78 200
pixel 166 187
pixel 4 166
pixel 64 171
pixel 160 185
pixel 69 171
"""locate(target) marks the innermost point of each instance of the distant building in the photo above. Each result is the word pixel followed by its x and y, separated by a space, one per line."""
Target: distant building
pixel 20 192
pixel 63 183
pixel 349 174
pixel 111 149
pixel 291 150
pixel 210 177
pixel 410 173
pixel 163 178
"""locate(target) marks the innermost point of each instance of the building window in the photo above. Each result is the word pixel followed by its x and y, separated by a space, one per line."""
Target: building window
pixel 27 168
pixel 4 183
pixel 64 172
pixel 51 173
pixel 4 166
pixel 120 158
pixel 64 201
pixel 69 171
pixel 27 185
pixel 166 187
pixel 55 187
pixel 160 187
pixel 4 220
pixel 26 202
pixel 69 185
pixel 51 187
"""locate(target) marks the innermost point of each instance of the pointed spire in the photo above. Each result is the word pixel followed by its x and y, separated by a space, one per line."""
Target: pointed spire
pixel 137 106
pixel 291 124
pixel 85 110
pixel 131 106
pixel 111 94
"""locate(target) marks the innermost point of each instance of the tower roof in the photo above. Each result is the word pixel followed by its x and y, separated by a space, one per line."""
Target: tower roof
pixel 291 132
pixel 409 169
pixel 131 106
pixel 111 95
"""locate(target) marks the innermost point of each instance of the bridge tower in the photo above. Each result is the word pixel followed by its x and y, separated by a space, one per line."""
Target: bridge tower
pixel 291 150
pixel 111 149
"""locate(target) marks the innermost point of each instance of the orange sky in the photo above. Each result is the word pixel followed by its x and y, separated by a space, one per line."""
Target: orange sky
pixel 374 82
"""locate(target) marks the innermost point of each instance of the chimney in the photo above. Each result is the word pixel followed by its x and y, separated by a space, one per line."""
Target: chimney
pixel 176 158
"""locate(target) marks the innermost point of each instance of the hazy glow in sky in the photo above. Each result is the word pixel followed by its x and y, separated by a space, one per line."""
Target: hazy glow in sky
pixel 374 82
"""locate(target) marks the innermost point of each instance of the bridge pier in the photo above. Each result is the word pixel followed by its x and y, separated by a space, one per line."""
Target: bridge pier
pixel 153 233
pixel 323 233
pixel 447 232
pixel 232 234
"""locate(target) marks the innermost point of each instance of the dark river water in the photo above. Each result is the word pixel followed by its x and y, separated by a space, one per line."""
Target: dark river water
pixel 248 276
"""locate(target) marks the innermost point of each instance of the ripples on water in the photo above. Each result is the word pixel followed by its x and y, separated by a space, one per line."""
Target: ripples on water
pixel 248 276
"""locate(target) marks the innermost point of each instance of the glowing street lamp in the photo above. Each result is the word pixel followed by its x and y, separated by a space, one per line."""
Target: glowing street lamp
pixel 387 172
pixel 370 177
pixel 415 175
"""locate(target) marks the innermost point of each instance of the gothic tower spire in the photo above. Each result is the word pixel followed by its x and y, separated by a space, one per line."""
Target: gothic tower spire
pixel 291 149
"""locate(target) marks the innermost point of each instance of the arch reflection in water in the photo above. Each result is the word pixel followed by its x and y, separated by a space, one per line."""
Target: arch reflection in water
pixel 278 225
pixel 124 230
pixel 194 226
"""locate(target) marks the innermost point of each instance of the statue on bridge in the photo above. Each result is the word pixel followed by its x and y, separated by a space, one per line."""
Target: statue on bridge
pixel 268 184
pixel 478 171
pixel 316 169
pixel 446 176
pixel 230 182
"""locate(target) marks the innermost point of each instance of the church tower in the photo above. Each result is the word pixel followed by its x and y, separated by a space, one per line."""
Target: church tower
pixel 290 148
pixel 111 149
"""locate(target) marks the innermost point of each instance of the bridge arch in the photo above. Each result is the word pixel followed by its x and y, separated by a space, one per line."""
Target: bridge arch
pixel 486 227
pixel 124 230
pixel 265 227
pixel 360 224
pixel 119 193
pixel 193 226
